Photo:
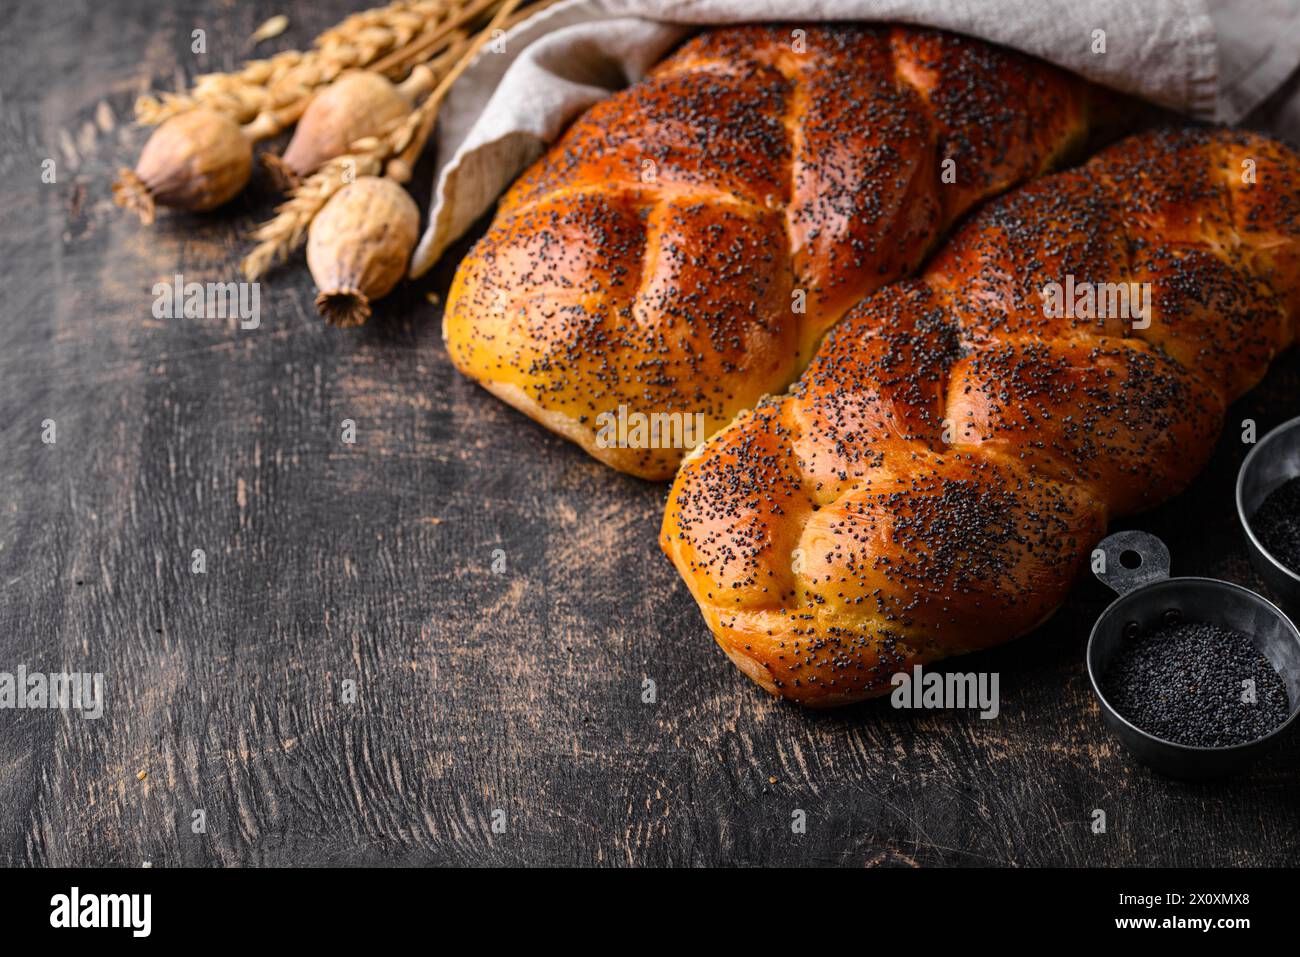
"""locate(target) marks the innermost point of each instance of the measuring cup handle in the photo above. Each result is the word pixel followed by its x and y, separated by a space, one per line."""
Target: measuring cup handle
pixel 1146 554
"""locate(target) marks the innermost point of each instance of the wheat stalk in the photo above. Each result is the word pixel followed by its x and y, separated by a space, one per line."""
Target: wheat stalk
pixel 281 85
pixel 393 152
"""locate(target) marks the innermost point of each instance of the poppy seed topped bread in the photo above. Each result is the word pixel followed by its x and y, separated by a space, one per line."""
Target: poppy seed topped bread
pixel 685 245
pixel 933 482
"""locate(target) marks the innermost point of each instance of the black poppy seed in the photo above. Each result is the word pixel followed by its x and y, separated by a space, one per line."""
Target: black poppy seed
pixel 1186 683
pixel 1276 523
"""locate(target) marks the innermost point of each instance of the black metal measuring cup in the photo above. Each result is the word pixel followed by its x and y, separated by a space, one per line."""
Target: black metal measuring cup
pixel 1136 567
pixel 1273 461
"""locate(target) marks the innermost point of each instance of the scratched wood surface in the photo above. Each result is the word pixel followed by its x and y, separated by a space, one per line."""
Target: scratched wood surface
pixel 518 691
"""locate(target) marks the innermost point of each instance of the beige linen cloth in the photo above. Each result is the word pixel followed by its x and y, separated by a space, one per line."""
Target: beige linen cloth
pixel 1214 60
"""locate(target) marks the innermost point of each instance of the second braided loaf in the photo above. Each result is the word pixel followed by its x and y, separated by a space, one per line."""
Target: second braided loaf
pixel 934 480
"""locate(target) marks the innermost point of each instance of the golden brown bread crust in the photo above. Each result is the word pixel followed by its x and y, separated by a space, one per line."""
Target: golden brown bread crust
pixel 686 244
pixel 937 476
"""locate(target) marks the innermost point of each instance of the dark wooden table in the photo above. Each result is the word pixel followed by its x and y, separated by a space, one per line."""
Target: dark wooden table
pixel 477 692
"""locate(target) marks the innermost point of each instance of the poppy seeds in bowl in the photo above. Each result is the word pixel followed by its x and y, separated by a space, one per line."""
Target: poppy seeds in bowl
pixel 1197 684
pixel 1276 523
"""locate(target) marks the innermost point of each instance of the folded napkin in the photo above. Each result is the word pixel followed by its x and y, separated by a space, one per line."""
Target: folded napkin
pixel 1214 60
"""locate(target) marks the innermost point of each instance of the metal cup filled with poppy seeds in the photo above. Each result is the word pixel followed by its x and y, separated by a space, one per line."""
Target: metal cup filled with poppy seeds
pixel 1197 677
pixel 1268 505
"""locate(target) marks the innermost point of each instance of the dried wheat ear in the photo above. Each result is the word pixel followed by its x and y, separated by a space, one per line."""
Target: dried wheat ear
pixel 365 99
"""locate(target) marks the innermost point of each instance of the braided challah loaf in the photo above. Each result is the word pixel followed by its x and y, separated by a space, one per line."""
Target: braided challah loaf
pixel 934 480
pixel 685 245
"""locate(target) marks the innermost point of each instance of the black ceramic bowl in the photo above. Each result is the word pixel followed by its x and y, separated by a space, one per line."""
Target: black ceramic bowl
pixel 1274 460
pixel 1137 567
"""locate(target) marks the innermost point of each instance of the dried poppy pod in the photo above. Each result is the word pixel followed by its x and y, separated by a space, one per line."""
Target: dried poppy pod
pixel 358 246
pixel 195 161
pixel 356 105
